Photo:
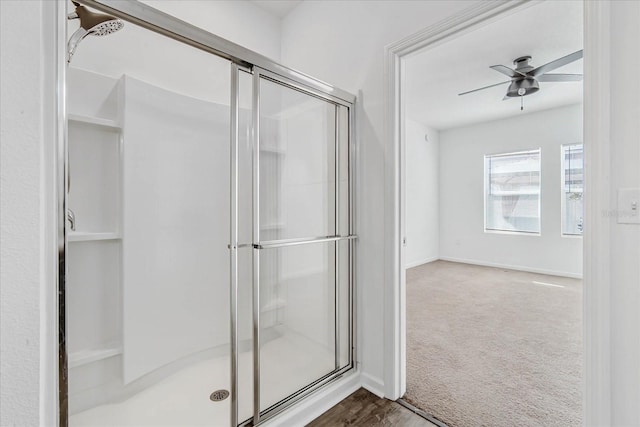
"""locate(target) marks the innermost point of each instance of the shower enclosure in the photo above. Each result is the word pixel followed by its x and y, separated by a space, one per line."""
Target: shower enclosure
pixel 207 266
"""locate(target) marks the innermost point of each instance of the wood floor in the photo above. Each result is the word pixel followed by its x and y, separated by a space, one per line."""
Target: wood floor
pixel 363 408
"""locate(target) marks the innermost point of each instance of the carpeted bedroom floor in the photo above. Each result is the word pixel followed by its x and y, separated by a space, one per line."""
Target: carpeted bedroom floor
pixel 494 347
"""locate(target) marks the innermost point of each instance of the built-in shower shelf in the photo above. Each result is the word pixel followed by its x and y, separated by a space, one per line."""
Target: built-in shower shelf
pixel 79 236
pixel 83 357
pixel 97 121
pixel 272 150
pixel 272 226
pixel 275 304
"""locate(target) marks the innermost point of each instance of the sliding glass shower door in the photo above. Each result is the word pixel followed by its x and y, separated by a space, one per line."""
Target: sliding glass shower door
pixel 209 237
pixel 295 241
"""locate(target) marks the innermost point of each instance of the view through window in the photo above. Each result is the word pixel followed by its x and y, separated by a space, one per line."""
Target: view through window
pixel 572 189
pixel 512 192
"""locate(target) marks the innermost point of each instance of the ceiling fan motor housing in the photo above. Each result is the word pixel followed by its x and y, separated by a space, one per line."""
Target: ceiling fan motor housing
pixel 522 64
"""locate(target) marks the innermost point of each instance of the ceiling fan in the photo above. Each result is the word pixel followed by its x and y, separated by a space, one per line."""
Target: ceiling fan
pixel 525 78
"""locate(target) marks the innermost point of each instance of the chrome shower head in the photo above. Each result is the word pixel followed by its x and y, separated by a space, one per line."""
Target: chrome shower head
pixel 91 23
pixel 106 28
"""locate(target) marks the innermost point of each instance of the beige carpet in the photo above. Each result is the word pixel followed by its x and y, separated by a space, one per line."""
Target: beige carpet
pixel 490 347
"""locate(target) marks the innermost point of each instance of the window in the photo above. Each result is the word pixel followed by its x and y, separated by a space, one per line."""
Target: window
pixel 572 189
pixel 512 192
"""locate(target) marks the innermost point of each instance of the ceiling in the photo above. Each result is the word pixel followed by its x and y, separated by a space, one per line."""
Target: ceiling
pixel 434 77
pixel 279 8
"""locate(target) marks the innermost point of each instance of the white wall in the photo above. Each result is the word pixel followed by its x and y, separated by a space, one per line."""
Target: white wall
pixel 421 198
pixel 20 239
pixel 342 42
pixel 239 21
pixel 462 151
pixel 625 238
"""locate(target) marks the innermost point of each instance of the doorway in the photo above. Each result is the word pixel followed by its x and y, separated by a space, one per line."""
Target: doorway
pixel 464 202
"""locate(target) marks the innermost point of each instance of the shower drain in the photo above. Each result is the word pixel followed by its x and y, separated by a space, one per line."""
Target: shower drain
pixel 219 395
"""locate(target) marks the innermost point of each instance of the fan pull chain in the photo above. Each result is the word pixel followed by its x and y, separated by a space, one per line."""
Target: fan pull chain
pixel 521 102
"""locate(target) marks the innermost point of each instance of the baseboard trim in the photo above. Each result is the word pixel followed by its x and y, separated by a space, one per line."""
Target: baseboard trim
pixel 316 404
pixel 373 384
pixel 513 267
pixel 420 262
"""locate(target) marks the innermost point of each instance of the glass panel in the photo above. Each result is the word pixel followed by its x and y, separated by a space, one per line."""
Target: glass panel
pixel 148 283
pixel 572 189
pixel 513 192
pixel 297 164
pixel 298 317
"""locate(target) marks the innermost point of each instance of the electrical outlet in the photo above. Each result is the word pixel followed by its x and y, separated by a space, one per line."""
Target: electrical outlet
pixel 628 206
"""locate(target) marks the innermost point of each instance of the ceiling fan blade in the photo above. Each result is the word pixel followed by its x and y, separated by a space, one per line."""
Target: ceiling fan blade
pixel 556 64
pixel 560 78
pixel 507 71
pixel 482 88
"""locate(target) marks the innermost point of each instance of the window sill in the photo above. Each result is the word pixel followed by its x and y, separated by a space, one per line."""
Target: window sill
pixel 513 233
pixel 572 236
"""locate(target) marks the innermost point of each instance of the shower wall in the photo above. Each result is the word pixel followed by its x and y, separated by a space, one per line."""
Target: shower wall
pixel 148 289
pixel 176 227
pixel 93 289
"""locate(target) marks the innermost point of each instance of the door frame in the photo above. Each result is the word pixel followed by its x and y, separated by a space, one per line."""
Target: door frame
pixel 596 311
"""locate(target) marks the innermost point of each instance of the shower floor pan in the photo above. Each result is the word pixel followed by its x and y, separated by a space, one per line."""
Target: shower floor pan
pixel 183 399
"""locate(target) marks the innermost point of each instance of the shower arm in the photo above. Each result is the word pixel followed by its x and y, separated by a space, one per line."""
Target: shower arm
pixel 74 40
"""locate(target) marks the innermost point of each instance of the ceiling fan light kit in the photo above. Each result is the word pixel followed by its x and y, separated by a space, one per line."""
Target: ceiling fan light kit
pixel 525 78
pixel 523 87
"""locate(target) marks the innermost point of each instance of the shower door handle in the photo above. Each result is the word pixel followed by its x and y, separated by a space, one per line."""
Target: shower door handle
pixel 240 246
pixel 295 242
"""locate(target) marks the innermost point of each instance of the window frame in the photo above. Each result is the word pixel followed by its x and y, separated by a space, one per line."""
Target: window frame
pixel 486 189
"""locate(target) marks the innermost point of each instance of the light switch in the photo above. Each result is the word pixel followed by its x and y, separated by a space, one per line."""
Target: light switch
pixel 629 206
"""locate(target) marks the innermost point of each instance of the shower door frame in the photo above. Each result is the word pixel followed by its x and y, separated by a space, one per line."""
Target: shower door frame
pixel 242 60
pixel 258 74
